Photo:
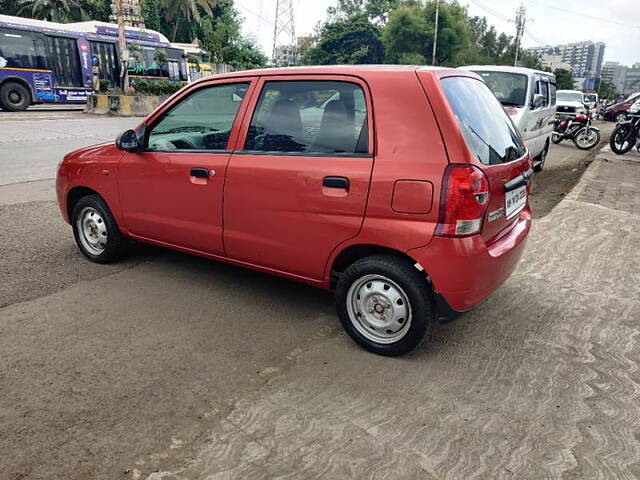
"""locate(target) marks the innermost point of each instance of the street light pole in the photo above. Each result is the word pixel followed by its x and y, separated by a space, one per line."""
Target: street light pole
pixel 122 47
pixel 435 34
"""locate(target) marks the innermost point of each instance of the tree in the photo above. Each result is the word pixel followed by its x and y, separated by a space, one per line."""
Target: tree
pixel 564 79
pixel 350 41
pixel 151 14
pixel 605 89
pixel 189 10
pixel 408 35
pixel 62 11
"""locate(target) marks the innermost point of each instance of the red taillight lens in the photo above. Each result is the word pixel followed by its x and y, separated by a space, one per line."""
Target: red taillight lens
pixel 464 198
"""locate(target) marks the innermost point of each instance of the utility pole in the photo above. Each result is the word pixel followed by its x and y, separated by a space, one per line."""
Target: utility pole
pixel 122 48
pixel 521 20
pixel 284 34
pixel 435 34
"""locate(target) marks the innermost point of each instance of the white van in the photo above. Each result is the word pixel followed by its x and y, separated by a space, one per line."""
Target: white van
pixel 529 97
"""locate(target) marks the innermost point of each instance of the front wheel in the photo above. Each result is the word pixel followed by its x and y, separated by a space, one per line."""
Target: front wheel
pixel 556 138
pixel 586 139
pixel 385 304
pixel 622 139
pixel 96 231
pixel 539 163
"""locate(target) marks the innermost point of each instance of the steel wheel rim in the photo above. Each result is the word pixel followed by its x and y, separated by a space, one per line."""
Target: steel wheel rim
pixel 379 309
pixel 92 231
pixel 620 138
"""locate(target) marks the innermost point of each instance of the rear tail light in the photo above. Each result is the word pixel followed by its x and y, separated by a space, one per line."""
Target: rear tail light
pixel 463 201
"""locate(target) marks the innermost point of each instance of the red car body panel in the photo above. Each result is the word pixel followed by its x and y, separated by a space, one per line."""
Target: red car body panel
pixel 272 213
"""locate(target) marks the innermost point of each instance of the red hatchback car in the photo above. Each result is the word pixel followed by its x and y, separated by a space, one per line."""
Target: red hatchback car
pixel 404 189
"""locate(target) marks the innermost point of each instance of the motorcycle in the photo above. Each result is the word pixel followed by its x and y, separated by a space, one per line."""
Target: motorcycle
pixel 578 128
pixel 626 134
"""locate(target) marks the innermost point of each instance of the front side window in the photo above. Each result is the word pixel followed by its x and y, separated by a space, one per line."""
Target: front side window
pixel 202 121
pixel 487 130
pixel 544 90
pixel 552 93
pixel 313 117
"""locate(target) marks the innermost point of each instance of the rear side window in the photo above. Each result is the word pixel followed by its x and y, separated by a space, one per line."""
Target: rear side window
pixel 323 117
pixel 487 129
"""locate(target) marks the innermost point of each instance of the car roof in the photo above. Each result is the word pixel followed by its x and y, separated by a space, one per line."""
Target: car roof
pixel 572 91
pixel 506 69
pixel 357 70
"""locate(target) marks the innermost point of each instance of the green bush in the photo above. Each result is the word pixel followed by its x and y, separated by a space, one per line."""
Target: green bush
pixel 156 87
pixel 104 85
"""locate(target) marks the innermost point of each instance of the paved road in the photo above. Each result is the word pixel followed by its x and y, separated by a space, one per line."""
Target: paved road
pixel 170 366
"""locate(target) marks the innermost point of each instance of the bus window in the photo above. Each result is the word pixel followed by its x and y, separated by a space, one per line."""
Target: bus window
pixel 66 62
pixel 108 60
pixel 22 49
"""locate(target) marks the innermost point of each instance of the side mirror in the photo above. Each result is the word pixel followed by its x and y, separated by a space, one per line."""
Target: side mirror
pixel 538 101
pixel 128 141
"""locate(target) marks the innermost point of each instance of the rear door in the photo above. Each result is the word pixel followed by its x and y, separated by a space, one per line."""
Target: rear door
pixel 297 185
pixel 496 148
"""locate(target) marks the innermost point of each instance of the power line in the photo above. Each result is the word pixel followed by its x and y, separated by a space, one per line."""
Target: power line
pixel 584 15
pixel 491 11
pixel 258 15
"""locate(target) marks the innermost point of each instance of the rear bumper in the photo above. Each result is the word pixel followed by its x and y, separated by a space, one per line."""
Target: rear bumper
pixel 465 271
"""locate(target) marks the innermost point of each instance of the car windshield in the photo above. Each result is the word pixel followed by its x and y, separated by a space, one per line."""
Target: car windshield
pixel 632 96
pixel 509 88
pixel 487 129
pixel 569 97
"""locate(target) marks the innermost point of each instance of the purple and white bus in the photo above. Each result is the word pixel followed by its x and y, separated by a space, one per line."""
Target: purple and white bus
pixel 46 62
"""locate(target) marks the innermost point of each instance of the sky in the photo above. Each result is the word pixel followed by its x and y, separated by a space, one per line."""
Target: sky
pixel 615 22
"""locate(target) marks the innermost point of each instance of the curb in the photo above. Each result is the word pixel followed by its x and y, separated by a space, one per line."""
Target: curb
pixel 122 105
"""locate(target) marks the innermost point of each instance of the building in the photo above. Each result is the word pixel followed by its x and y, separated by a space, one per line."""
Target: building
pixel 285 56
pixel 615 74
pixel 632 80
pixel 553 62
pixel 584 58
pixel 131 13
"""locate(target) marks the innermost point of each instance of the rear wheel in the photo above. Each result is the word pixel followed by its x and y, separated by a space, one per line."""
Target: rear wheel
pixel 539 162
pixel 384 304
pixel 96 231
pixel 586 139
pixel 622 139
pixel 14 96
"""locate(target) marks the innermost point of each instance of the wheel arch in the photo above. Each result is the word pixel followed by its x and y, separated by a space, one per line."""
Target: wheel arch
pixel 75 194
pixel 353 253
pixel 21 81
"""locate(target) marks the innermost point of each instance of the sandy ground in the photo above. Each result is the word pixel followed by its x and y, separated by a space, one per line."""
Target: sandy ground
pixel 170 366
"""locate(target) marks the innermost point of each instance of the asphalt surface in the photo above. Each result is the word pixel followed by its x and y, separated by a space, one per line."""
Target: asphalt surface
pixel 171 366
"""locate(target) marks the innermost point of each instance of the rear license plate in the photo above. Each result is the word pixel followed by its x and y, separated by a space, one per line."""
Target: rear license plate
pixel 515 200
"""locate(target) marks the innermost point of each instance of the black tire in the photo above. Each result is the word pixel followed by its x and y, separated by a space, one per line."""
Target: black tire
pixel 620 117
pixel 412 283
pixel 591 145
pixel 556 138
pixel 620 132
pixel 539 163
pixel 14 96
pixel 116 243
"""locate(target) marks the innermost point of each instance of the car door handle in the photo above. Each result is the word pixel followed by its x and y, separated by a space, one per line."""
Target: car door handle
pixel 199 172
pixel 335 182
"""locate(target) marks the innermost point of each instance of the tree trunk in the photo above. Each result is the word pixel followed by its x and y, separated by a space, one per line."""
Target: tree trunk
pixel 175 28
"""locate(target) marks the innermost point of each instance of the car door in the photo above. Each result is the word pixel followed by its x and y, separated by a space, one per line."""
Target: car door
pixel 535 136
pixel 172 191
pixel 297 185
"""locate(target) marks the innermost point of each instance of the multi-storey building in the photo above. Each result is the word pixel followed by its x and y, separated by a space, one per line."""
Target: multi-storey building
pixel 131 13
pixel 632 79
pixel 615 74
pixel 583 58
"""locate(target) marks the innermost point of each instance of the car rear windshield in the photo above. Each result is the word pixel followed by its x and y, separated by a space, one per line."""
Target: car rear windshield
pixel 509 88
pixel 487 129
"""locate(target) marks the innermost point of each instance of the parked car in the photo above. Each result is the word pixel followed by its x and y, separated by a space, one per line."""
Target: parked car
pixel 591 99
pixel 529 97
pixel 618 112
pixel 408 195
pixel 571 102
